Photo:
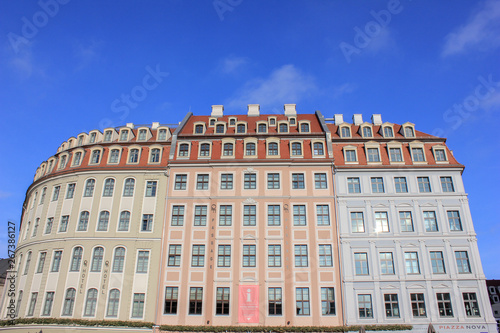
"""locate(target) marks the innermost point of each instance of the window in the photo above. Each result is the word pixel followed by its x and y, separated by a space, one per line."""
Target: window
pixel 200 215
pixel 437 262
pixel 162 134
pixel 408 132
pixel 77 159
pixel 63 225
pixel 155 155
pixel 298 181
pixel 133 156
pixel 184 149
pixel 62 165
pixel 318 149
pixel 353 185
pixel 103 221
pixel 97 259
pixel 357 222
pixel 109 185
pixel 31 308
pixel 69 302
pixel 386 263
pixel 205 149
pixel 345 132
pixel 151 188
pixel 228 149
pixel 447 184
pixel 48 226
pixel 250 149
pixel 296 149
pixel 202 182
pixel 388 133
pixel 49 300
pixel 84 221
pixel 55 194
pixel 224 256
pixel 113 303
pixel 439 155
pixel 124 221
pixel 367 132
pixel 411 262
pixel 198 257
pixel 96 155
pixel 377 184
pixel 471 305
pixel 325 256
pixel 327 301
pixel 143 261
pixel 118 260
pixel 454 220
pixel 304 128
pixel 272 149
pixel 299 215
pixel 320 180
pixel 219 128
pixel 249 215
pixel 138 305
pixel 283 128
pixel 70 191
pixel 424 184
pixel 430 221
pixel 225 215
pixel 273 181
pixel 174 255
pixel 250 181
pixel 89 188
pixel 240 128
pixel 147 222
pixel 302 302
pixel 107 136
pixel 114 156
pixel 27 264
pixel 35 227
pixel 177 216
pixel 76 259
pixel 272 121
pixel 226 181
pixel 124 135
pixel 373 155
pixel 361 263
pixel 180 182
pixel 406 221
pixel 249 254
pixel 274 256
pixel 463 264
pixel 273 215
pixel 41 262
pixel 142 134
pixel 400 184
pixel 444 304
pixel 365 309
pixel 350 155
pixel 381 222
pixel 198 129
pixel 301 256
pixel 262 128
pixel 323 214
pixel 418 305
pixel 90 303
pixel 171 296
pixel 275 304
pixel 195 300
pixel 418 155
pixel 128 188
pixel 391 305
pixel 42 197
pixel 56 262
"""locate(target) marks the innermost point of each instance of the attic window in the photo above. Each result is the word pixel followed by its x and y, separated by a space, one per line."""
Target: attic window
pixel 440 155
pixel 162 134
pixel 92 137
pixel 345 132
pixel 219 128
pixel 367 132
pixel 292 121
pixel 212 121
pixel 142 134
pixel 232 121
pixel 388 133
pixel 107 135
pixel 198 129
pixel 409 132
pixel 124 135
pixel 304 128
pixel 240 128
pixel 262 128
pixel 283 128
pixel 272 121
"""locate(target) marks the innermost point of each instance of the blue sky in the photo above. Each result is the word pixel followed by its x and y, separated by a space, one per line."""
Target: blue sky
pixel 68 66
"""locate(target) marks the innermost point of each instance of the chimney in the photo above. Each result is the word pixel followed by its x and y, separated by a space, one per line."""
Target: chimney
pixel 130 125
pixel 217 111
pixel 253 110
pixel 357 119
pixel 377 119
pixel 338 118
pixel 155 125
pixel 290 110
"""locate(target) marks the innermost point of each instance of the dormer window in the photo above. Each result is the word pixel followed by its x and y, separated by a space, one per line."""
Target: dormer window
pixel 439 155
pixel 142 134
pixel 272 121
pixel 388 133
pixel 114 156
pixel 77 158
pixel 50 166
pixel 292 121
pixel 232 121
pixel 250 149
pixel 155 155
pixel 304 128
pixel 240 128
pixel 417 155
pixel 409 132
pixel 96 155
pixel 283 128
pixel 296 149
pixel 80 140
pixel 107 136
pixel 272 148
pixel 373 155
pixel 162 134
pixel 205 149
pixel 92 137
pixel 134 156
pixel 183 149
pixel 219 128
pixel 63 162
pixel 228 149
pixel 318 148
pixel 198 129
pixel 345 132
pixel 124 135
pixel 395 154
pixel 262 128
pixel 212 122
pixel 367 132
pixel 350 155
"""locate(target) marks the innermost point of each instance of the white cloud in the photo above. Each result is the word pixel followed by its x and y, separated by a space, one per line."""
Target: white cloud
pixel 284 85
pixel 4 194
pixel 343 89
pixel 232 63
pixel 492 102
pixel 481 31
pixel 86 54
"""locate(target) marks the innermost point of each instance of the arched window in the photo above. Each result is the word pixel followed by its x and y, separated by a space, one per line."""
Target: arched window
pixel 124 221
pixel 183 149
pixel 96 155
pixel 77 158
pixel 91 303
pixel 114 156
pixel 205 149
pixel 89 188
pixel 124 135
pixel 107 136
pixel 162 134
pixel 250 151
pixel 97 259
pixel 76 259
pixel 304 128
pixel 409 132
pixel 272 148
pixel 318 148
pixel 240 128
pixel 84 221
pixel 155 155
pixel 345 132
pixel 128 189
pixel 103 221
pixel 262 128
pixel 118 260
pixel 272 121
pixel 388 133
pixel 228 149
pixel 142 134
pixel 367 132
pixel 63 162
pixel 198 129
pixel 113 302
pixel 109 186
pixel 219 128
pixel 232 121
pixel 212 121
pixel 296 149
pixel 134 156
pixel 69 302
pixel 283 128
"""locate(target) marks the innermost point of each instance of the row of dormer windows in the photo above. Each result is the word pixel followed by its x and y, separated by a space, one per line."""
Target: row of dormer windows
pixel 395 153
pixel 262 127
pixel 366 131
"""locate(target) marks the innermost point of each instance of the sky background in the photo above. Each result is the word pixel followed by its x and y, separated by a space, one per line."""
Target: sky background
pixel 68 67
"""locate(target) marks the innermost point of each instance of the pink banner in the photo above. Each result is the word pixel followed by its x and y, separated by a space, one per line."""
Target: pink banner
pixel 248 307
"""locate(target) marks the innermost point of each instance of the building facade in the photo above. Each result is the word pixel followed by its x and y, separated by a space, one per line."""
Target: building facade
pixel 494 292
pixel 276 220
